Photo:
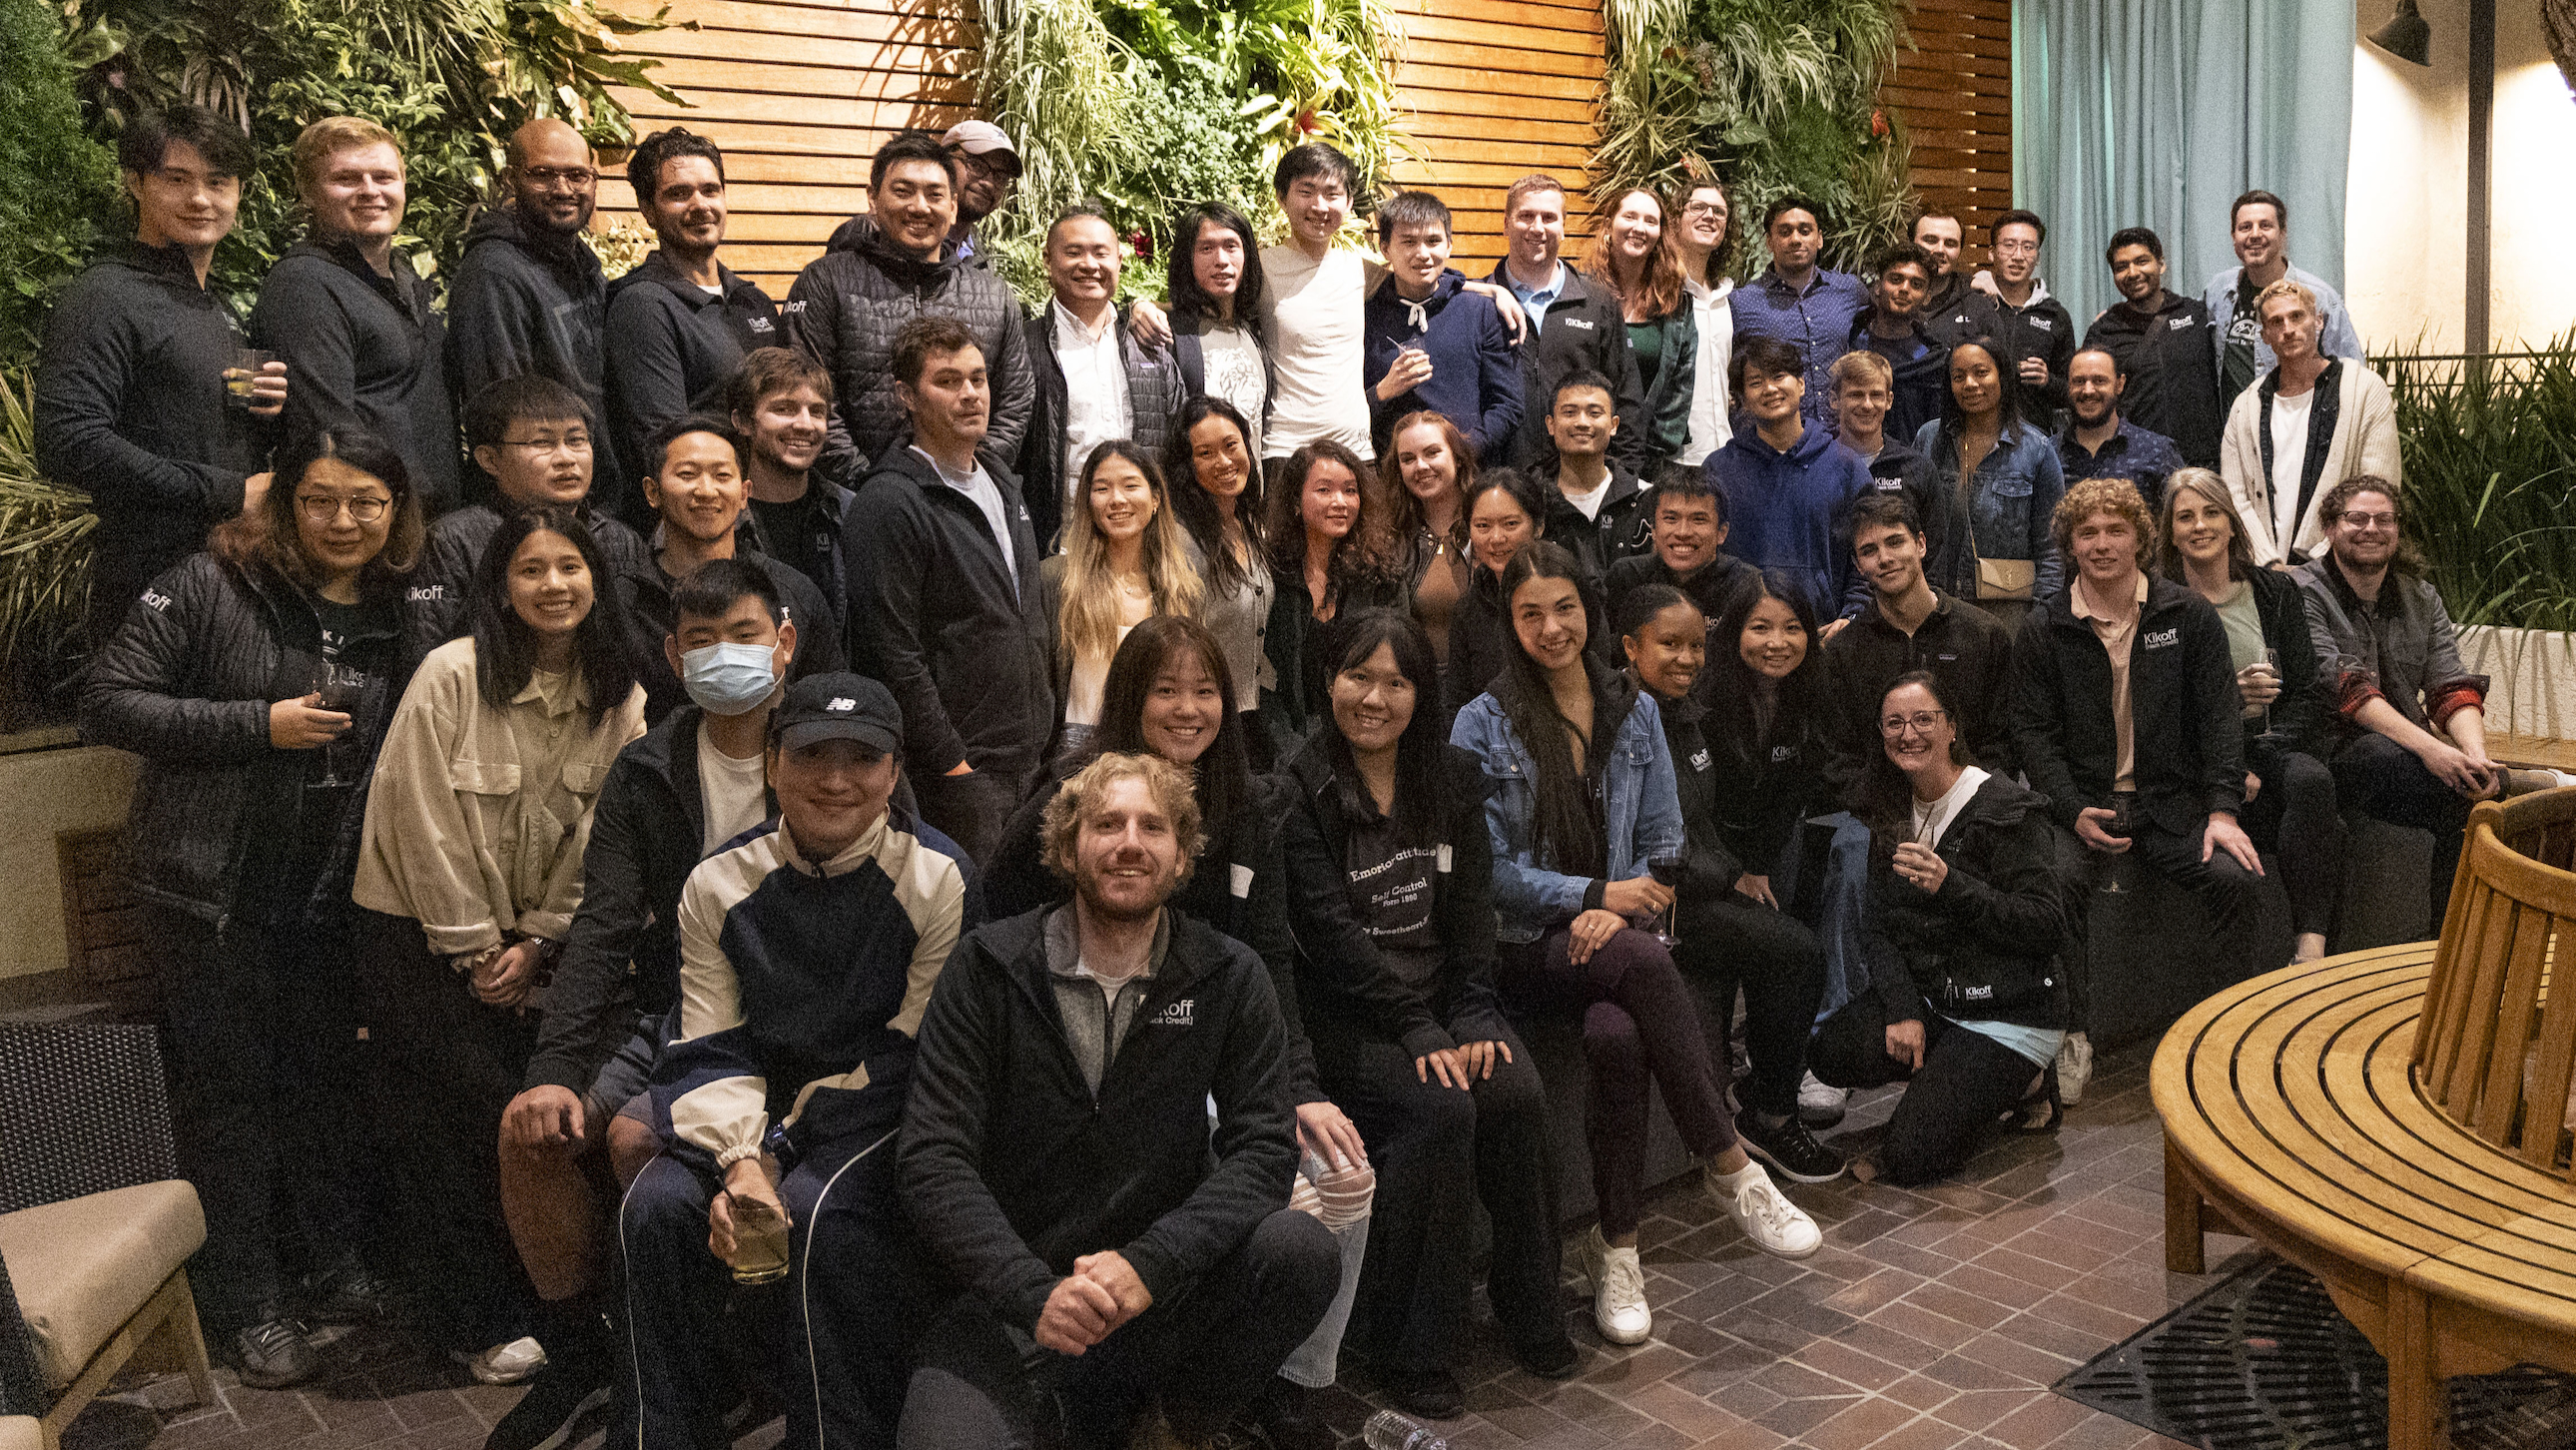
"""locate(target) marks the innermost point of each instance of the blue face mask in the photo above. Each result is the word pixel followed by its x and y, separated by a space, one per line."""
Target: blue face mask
pixel 729 679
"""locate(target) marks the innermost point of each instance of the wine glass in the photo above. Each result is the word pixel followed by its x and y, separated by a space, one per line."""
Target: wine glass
pixel 2267 664
pixel 338 687
pixel 1667 871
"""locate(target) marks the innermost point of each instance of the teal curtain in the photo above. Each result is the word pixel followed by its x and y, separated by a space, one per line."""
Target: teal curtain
pixel 2158 113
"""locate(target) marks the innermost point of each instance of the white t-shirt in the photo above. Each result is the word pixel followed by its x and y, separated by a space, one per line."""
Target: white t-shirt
pixel 1713 314
pixel 1313 314
pixel 1589 501
pixel 2289 459
pixel 1933 817
pixel 732 791
pixel 1095 390
pixel 987 495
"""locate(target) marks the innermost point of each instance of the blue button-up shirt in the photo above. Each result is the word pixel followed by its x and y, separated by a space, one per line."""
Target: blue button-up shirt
pixel 1817 321
pixel 1534 300
pixel 2140 455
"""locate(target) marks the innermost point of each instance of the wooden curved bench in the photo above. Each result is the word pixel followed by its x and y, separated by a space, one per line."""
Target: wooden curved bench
pixel 2291 1115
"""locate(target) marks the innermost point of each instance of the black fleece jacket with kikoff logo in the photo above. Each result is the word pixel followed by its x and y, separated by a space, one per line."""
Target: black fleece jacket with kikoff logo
pixel 1013 1166
pixel 2184 710
pixel 2171 364
pixel 1583 328
pixel 1985 947
pixel 130 406
pixel 670 345
pixel 364 351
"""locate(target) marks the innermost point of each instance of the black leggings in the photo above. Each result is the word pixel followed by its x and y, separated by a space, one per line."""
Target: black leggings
pixel 1432 1147
pixel 1640 1030
pixel 1966 1082
pixel 2293 816
pixel 1737 941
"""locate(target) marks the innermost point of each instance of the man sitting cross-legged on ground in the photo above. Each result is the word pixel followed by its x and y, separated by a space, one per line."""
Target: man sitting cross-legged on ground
pixel 807 954
pixel 692 783
pixel 1107 1251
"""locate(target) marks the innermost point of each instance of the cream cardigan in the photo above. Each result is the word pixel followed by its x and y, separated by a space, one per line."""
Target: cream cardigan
pixel 2365 442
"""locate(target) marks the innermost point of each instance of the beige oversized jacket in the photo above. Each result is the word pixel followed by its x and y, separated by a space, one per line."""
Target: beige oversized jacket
pixel 455 838
pixel 2365 442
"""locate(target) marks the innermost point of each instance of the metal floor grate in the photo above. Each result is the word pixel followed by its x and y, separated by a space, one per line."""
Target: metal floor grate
pixel 2264 1361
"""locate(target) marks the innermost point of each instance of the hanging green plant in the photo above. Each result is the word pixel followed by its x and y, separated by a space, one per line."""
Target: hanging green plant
pixel 1770 99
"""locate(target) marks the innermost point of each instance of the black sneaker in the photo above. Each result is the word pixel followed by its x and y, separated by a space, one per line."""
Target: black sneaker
pixel 274 1353
pixel 1281 1421
pixel 1432 1394
pixel 550 1413
pixel 1789 1150
pixel 350 1294
pixel 1550 1359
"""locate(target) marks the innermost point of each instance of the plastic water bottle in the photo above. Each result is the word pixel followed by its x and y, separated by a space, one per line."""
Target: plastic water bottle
pixel 1387 1430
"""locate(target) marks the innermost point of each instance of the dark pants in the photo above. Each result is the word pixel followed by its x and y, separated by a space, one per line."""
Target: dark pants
pixel 1438 1151
pixel 849 1301
pixel 2293 817
pixel 269 1099
pixel 1736 941
pixel 1203 1354
pixel 2226 891
pixel 1965 1083
pixel 2390 784
pixel 447 1067
pixel 971 809
pixel 1640 1031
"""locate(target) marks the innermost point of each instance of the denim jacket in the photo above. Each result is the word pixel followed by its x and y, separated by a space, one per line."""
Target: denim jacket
pixel 2014 499
pixel 1641 810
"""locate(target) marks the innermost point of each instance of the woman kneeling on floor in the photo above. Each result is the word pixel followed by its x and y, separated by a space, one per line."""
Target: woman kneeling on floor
pixel 1969 909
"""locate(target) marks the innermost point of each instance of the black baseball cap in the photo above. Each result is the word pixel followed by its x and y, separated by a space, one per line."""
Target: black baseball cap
pixel 838 706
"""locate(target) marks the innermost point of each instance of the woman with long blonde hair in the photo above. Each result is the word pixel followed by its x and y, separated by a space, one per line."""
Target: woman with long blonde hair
pixel 1125 561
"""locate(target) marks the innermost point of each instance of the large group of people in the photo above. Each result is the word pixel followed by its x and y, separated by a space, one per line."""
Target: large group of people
pixel 985 877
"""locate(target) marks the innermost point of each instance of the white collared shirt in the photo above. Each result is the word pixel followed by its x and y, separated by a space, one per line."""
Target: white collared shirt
pixel 1095 389
pixel 1709 429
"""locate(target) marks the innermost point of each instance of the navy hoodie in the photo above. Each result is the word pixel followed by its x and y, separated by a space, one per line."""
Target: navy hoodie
pixel 1475 380
pixel 1787 511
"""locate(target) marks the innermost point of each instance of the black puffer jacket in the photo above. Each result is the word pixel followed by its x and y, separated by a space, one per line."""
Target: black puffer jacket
pixel 844 311
pixel 1985 946
pixel 187 683
pixel 363 351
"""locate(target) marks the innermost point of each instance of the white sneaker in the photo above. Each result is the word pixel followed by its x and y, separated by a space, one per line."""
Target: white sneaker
pixel 2074 1067
pixel 1767 1217
pixel 1820 1105
pixel 513 1363
pixel 1618 1291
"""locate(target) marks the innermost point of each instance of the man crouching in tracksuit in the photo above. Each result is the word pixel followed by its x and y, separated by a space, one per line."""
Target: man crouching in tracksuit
pixel 807 953
pixel 1114 1257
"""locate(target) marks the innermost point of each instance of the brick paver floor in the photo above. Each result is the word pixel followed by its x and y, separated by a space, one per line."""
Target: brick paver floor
pixel 1932 1318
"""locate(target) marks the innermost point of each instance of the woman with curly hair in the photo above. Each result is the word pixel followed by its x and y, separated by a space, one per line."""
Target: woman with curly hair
pixel 1332 551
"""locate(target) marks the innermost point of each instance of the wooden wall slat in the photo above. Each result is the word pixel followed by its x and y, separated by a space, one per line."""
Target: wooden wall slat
pixel 1953 91
pixel 1490 91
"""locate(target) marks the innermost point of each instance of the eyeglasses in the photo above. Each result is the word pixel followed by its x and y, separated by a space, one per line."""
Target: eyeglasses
pixel 2371 521
pixel 551 176
pixel 1703 208
pixel 322 508
pixel 574 443
pixel 1921 723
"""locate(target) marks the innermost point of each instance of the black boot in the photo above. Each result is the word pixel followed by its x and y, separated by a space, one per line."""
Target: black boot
pixel 573 1384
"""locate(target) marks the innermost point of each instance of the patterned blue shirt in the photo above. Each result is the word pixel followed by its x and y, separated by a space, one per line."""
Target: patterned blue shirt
pixel 1817 321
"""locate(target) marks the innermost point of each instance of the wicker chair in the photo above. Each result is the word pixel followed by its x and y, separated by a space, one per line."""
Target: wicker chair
pixel 2495 1048
pixel 95 1225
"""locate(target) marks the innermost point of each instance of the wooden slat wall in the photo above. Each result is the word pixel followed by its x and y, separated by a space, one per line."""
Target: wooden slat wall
pixel 1954 94
pixel 799 93
pixel 1490 91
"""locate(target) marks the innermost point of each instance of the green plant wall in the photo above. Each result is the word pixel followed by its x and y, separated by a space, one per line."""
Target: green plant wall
pixel 1770 99
pixel 1147 106
pixel 66 188
pixel 2490 454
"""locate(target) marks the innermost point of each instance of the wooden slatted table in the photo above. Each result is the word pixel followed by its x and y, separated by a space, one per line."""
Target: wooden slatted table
pixel 2291 1115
